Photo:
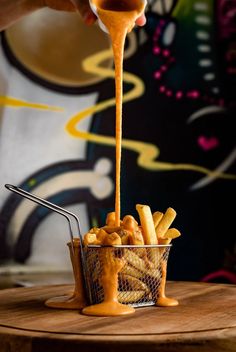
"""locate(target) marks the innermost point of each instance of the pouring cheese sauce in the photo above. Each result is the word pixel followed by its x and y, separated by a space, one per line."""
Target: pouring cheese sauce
pixel 119 18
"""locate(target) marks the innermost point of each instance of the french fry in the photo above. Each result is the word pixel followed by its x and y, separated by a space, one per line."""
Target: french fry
pixel 89 238
pixel 130 270
pixel 130 296
pixel 110 229
pixel 101 235
pixel 110 220
pixel 129 223
pixel 131 229
pixel 112 239
pixel 157 216
pixel 169 235
pixel 133 283
pixel 147 224
pixel 140 264
pixel 148 262
pixel 94 230
pixel 165 222
pixel 172 233
pixel 136 238
pixel 125 239
pixel 149 232
pixel 133 259
pixel 164 241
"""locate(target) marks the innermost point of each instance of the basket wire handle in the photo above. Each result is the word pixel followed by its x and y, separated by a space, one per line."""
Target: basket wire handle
pixel 62 212
pixel 48 205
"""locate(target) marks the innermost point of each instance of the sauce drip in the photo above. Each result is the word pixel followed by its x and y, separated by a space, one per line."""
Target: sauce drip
pixel 75 300
pixel 162 300
pixel 110 306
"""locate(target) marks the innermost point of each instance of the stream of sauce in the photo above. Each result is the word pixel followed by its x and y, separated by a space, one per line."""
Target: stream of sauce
pixel 119 18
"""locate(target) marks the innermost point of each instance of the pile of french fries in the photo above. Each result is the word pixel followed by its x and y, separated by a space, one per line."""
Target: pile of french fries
pixel 141 274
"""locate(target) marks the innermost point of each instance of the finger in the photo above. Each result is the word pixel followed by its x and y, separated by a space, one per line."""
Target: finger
pixel 62 5
pixel 141 21
pixel 84 9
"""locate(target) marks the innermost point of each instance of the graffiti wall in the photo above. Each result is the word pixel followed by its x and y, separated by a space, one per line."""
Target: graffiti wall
pixel 57 131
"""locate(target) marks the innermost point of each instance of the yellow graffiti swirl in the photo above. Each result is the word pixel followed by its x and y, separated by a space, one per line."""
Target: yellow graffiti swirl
pixel 18 103
pixel 147 153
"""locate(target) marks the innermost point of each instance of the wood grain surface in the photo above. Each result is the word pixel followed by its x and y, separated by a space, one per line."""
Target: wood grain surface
pixel 205 318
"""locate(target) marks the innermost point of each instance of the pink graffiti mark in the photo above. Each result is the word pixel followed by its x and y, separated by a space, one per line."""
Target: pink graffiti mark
pixel 168 60
pixel 208 143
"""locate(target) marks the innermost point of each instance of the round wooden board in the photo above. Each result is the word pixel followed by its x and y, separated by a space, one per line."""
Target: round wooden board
pixel 207 312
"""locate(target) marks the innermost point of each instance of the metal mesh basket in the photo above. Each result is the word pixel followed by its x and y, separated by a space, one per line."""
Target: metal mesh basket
pixel 139 276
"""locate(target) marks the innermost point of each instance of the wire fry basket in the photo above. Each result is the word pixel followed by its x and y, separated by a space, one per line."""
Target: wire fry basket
pixel 122 275
pixel 140 276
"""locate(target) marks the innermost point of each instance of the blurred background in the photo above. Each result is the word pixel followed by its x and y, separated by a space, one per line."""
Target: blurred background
pixel 54 98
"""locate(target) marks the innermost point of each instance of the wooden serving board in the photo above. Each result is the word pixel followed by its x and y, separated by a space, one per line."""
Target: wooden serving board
pixel 205 318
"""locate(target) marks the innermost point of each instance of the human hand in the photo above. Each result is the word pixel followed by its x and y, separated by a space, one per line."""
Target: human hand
pixel 84 9
pixel 82 6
